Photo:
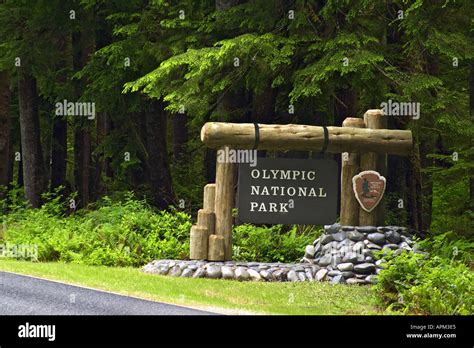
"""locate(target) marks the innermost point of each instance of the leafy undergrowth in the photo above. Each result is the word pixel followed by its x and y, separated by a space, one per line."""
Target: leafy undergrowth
pixel 226 296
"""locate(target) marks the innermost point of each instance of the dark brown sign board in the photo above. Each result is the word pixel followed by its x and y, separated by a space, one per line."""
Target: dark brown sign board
pixel 288 191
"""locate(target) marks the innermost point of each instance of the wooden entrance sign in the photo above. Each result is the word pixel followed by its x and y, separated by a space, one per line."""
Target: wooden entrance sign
pixel 363 142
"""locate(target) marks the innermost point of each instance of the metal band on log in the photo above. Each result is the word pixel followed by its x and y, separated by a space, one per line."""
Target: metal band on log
pixel 307 138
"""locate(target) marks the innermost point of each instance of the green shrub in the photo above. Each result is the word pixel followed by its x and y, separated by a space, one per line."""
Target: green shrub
pixel 271 244
pixel 127 233
pixel 415 283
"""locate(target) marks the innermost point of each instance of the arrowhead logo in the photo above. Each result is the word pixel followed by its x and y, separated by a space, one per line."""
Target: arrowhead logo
pixel 369 187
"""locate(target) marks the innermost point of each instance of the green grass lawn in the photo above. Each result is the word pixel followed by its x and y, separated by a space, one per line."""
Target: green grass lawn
pixel 223 296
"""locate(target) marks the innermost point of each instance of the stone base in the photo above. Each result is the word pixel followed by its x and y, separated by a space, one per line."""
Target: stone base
pixel 343 254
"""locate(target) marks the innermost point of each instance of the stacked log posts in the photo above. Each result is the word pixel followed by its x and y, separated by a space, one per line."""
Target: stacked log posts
pixel 216 248
pixel 349 168
pixel 373 119
pixel 205 227
pixel 224 202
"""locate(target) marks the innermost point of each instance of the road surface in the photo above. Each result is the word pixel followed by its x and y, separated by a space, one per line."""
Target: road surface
pixel 24 295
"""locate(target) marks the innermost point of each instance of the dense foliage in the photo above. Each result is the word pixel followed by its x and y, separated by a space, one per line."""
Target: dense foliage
pixel 440 284
pixel 129 232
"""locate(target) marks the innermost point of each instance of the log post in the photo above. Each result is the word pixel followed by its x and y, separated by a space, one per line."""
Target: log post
pixel 349 167
pixel 373 119
pixel 198 243
pixel 209 197
pixel 207 220
pixel 224 202
pixel 216 248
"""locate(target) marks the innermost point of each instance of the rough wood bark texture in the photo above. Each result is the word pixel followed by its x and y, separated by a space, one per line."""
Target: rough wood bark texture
pixel 373 119
pixel 216 248
pixel 307 138
pixel 198 243
pixel 207 219
pixel 350 167
pixel 209 197
pixel 224 203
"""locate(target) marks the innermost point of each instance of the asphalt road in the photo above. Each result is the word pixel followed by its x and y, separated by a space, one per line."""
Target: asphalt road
pixel 23 295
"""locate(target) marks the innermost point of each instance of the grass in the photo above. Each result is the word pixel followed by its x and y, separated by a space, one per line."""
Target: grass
pixel 223 296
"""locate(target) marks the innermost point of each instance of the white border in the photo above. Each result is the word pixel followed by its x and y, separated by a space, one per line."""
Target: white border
pixel 355 177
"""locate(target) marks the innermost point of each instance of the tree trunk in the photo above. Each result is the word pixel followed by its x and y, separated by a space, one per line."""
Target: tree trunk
pixel 59 153
pixel 5 125
pixel 180 136
pixel 471 113
pixel 158 166
pixel 84 46
pixel 33 163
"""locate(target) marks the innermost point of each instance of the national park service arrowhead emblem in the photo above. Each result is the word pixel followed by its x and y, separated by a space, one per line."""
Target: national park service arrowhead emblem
pixel 369 187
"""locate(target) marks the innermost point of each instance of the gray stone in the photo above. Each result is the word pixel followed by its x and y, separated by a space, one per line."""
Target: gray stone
pixel 334 273
pixel 254 275
pixel 227 272
pixel 321 274
pixel 369 259
pixel 344 267
pixel 199 273
pixel 393 237
pixel 364 268
pixel 407 240
pixel 298 269
pixel 358 246
pixel 383 229
pixel 330 246
pixel 316 241
pixel 372 279
pixel 404 245
pixel 279 275
pixel 332 228
pixel 325 260
pixel 339 279
pixel 339 236
pixel 355 236
pixel 348 228
pixel 381 263
pixel 175 271
pixel 163 270
pixel 325 239
pixel 377 238
pixel 266 275
pixel 317 247
pixel 373 246
pixel 187 273
pixel 347 275
pixel 366 229
pixel 242 274
pixel 309 274
pixel 390 246
pixel 214 272
pixel 306 260
pixel 309 251
pixel 367 252
pixel 355 281
pixel 301 276
pixel 350 258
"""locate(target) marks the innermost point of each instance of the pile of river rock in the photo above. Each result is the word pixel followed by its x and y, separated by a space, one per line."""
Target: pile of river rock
pixel 343 254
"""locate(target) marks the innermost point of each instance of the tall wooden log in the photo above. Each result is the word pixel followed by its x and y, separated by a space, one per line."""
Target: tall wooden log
pixel 206 219
pixel 216 248
pixel 198 243
pixel 307 138
pixel 350 167
pixel 373 119
pixel 224 202
pixel 209 197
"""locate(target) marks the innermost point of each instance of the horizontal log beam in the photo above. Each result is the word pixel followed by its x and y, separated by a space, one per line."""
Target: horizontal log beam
pixel 307 138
